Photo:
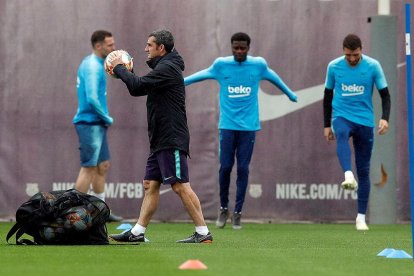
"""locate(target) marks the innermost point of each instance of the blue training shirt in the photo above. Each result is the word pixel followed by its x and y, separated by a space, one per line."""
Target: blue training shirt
pixel 353 88
pixel 239 86
pixel 91 86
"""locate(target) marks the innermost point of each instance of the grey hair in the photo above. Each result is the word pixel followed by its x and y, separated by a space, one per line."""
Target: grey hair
pixel 164 37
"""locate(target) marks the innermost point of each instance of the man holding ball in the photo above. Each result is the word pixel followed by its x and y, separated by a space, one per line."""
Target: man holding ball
pixel 168 134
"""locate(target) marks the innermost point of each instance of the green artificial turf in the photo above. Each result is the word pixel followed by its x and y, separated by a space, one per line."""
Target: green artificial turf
pixel 257 249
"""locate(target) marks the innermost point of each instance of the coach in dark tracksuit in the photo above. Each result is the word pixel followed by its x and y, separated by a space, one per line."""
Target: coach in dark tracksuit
pixel 168 135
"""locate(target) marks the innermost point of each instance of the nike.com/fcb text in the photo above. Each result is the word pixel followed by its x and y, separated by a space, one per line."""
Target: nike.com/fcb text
pixel 313 192
pixel 112 190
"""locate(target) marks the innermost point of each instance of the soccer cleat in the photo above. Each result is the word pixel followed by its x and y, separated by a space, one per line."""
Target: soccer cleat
pixel 114 218
pixel 222 218
pixel 198 238
pixel 236 221
pixel 127 236
pixel 350 184
pixel 361 225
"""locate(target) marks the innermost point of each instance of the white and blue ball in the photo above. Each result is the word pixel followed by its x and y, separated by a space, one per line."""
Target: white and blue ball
pixel 78 219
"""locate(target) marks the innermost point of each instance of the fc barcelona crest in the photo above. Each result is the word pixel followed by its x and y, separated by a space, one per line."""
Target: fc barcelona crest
pixel 255 190
pixel 32 188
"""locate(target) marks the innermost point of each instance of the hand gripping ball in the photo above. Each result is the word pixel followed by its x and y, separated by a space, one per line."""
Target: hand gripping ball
pixel 127 60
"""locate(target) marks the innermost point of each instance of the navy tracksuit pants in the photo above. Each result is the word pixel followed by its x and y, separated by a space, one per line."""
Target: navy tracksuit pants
pixel 239 144
pixel 363 141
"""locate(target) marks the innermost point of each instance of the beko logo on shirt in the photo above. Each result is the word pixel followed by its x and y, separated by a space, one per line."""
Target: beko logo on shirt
pixel 239 91
pixel 352 89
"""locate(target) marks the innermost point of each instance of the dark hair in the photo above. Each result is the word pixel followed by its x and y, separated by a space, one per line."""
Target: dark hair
pixel 352 42
pixel 163 37
pixel 99 36
pixel 240 37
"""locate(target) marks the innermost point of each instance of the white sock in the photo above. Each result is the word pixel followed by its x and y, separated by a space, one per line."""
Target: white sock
pixel 360 217
pixel 101 196
pixel 202 230
pixel 138 229
pixel 349 175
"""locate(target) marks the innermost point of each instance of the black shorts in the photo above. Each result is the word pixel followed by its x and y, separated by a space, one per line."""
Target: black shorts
pixel 167 167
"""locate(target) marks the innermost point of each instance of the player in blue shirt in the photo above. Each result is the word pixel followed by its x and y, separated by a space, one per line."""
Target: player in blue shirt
pixel 239 76
pixel 349 85
pixel 92 117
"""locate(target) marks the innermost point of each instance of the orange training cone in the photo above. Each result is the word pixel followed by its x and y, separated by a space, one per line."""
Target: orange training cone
pixel 193 264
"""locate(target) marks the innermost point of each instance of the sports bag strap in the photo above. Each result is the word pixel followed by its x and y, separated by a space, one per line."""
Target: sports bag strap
pixel 12 231
pixel 26 242
pixel 19 232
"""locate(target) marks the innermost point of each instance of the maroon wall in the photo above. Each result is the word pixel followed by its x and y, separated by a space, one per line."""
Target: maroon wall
pixel 294 173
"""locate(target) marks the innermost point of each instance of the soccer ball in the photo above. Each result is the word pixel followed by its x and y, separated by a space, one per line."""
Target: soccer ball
pixel 48 233
pixel 127 60
pixel 78 219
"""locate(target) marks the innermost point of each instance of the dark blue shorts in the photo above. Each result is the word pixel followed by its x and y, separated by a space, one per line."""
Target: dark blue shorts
pixel 167 167
pixel 93 144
